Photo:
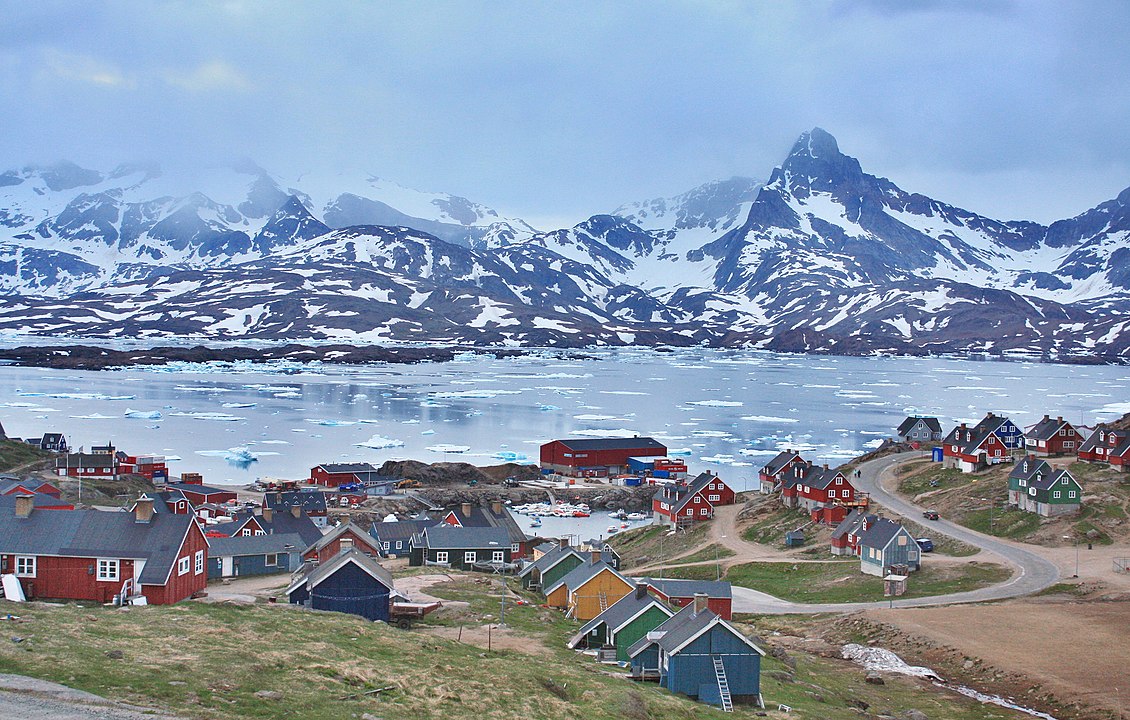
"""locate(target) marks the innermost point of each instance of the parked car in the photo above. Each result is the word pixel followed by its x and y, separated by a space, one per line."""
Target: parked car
pixel 930 514
pixel 925 544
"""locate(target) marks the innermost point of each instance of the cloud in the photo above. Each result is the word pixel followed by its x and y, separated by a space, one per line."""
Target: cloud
pixel 212 75
pixel 85 69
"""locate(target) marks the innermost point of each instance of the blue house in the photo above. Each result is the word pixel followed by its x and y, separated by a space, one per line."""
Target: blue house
pixel 350 582
pixel 885 543
pixel 395 538
pixel 264 554
pixel 700 655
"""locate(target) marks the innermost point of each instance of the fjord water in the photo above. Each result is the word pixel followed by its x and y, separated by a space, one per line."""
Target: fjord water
pixel 727 411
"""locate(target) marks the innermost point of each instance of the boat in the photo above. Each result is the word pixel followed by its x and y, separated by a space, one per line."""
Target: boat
pixel 536 522
pixel 619 514
pixel 612 530
pixel 637 516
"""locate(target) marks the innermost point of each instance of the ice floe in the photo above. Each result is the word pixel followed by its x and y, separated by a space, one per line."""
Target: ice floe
pixel 380 442
pixel 143 414
pixel 219 417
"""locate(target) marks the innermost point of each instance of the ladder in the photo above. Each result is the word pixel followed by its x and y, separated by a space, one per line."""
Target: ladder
pixel 723 684
pixel 603 599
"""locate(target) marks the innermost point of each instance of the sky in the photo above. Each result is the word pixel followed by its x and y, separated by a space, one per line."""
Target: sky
pixel 554 111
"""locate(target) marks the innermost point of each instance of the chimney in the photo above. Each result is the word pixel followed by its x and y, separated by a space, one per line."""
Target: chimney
pixel 825 466
pixel 1046 418
pixel 595 556
pixel 1059 419
pixel 296 510
pixel 268 514
pixel 24 504
pixel 641 591
pixel 465 508
pixel 143 510
pixel 496 507
pixel 699 603
pixel 563 542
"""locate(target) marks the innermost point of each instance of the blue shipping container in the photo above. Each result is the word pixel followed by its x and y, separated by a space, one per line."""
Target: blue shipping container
pixel 662 473
pixel 632 481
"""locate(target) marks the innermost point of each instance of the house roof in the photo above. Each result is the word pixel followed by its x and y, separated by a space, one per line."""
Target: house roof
pixel 280 523
pixel 96 534
pixel 973 437
pixel 198 489
pixel 583 573
pixel 619 614
pixel 880 533
pixel 341 468
pixel 1029 467
pixel 310 500
pixel 822 477
pixel 931 423
pixel 447 537
pixel 398 531
pixel 255 545
pixel 846 525
pixel 85 460
pixel 551 558
pixel 483 515
pixel 1046 482
pixel 340 530
pixel 635 443
pixel 780 462
pixel 679 588
pixel 1046 428
pixel 312 576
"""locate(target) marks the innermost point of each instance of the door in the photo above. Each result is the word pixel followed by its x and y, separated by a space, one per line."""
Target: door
pixel 226 567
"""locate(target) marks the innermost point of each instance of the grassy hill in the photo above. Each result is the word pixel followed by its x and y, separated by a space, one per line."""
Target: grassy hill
pixel 15 455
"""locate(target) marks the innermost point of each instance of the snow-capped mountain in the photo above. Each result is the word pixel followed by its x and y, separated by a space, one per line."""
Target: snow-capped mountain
pixel 821 258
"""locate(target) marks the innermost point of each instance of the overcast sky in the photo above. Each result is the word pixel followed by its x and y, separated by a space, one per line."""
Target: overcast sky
pixel 555 111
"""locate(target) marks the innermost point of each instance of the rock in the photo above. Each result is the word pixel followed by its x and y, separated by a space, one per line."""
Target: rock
pixel 370 716
pixel 857 703
pixel 874 678
pixel 269 695
pixel 782 676
pixel 115 654
pixel 1093 534
pixel 177 682
pixel 968 664
pixel 915 715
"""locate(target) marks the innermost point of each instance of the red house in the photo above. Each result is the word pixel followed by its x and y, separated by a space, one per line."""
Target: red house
pixel 821 487
pixel 149 466
pixel 675 504
pixel 680 593
pixel 102 556
pixel 334 474
pixel 845 537
pixel 1107 445
pixel 774 471
pixel 346 535
pixel 200 494
pixel 10 486
pixel 1052 437
pixel 87 465
pixel 989 442
pixel 597 457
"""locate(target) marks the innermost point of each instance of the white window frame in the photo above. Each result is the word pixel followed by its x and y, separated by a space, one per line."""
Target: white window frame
pixel 441 556
pixel 28 564
pixel 714 498
pixel 1071 494
pixel 498 556
pixel 271 559
pixel 704 511
pixel 385 545
pixel 183 565
pixel 245 532
pixel 198 562
pixel 470 556
pixel 514 547
pixel 1057 494
pixel 109 570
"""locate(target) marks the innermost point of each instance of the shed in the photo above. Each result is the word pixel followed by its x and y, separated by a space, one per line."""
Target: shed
pixel 350 582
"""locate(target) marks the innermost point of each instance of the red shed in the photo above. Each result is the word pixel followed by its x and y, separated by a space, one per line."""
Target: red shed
pixel 334 474
pixel 680 593
pixel 597 457
pixel 346 535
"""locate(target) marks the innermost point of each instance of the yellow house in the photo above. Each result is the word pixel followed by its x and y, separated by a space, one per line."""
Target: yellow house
pixel 588 589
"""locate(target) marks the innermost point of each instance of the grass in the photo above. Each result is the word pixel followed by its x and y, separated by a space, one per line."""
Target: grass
pixel 653 543
pixel 770 527
pixel 16 454
pixel 708 553
pixel 841 581
pixel 932 478
pixel 1004 522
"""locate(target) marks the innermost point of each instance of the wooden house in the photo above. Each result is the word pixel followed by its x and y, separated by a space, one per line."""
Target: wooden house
pixel 395 538
pixel 87 465
pixel 588 589
pixel 551 566
pixel 989 442
pixel 269 522
pixel 1035 486
pixel 845 536
pixel 312 502
pixel 492 514
pixel 919 429
pixel 11 485
pixel 885 543
pixel 772 472
pixel 700 655
pixel 102 556
pixel 1107 445
pixel 262 554
pixel 350 582
pixel 1052 437
pixel 335 474
pixel 461 547
pixel 53 442
pixel 607 553
pixel 597 457
pixel 822 487
pixel 674 504
pixel 623 624
pixel 345 536
pixel 198 495
pixel 680 593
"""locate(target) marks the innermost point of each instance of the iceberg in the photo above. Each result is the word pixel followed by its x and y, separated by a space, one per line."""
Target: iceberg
pixel 143 414
pixel 93 416
pixel 221 417
pixel 444 448
pixel 380 442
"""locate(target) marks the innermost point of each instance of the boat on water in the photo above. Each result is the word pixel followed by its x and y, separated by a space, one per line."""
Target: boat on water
pixel 636 516
pixel 612 530
pixel 619 514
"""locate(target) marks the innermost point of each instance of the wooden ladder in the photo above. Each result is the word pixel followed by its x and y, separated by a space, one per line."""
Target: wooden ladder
pixel 723 684
pixel 603 599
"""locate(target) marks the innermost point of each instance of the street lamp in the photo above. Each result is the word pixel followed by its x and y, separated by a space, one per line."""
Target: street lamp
pixel 1075 542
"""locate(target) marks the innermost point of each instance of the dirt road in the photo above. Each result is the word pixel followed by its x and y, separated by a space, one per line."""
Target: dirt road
pixel 24 698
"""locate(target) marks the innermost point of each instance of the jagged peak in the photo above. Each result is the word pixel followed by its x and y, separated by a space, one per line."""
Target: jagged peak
pixel 816 143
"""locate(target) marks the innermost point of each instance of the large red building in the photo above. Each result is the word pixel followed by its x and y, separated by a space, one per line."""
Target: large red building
pixel 597 457
pixel 335 474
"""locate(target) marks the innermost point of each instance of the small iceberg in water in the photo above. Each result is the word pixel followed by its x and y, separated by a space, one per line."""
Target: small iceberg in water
pixel 143 414
pixel 380 442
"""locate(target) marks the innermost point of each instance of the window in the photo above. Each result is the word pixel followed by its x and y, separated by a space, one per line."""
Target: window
pixel 346 543
pixel 259 532
pixel 514 548
pixel 199 562
pixel 246 532
pixel 1071 494
pixel 704 511
pixel 1056 494
pixel 1063 481
pixel 498 556
pixel 470 556
pixel 385 546
pixel 183 565
pixel 902 540
pixel 108 570
pixel 698 498
pixel 25 566
pixel 714 498
pixel 271 559
pixel 441 556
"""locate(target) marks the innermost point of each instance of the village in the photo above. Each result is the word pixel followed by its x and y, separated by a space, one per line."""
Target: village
pixel 662 604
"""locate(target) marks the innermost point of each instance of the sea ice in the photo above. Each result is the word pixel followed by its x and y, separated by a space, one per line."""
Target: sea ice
pixel 93 416
pixel 380 442
pixel 715 403
pixel 220 417
pixel 143 414
pixel 238 405
pixel 444 448
pixel 768 419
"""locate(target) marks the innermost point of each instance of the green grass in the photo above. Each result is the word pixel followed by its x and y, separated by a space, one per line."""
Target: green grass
pixel 841 581
pixel 653 543
pixel 1006 523
pixel 914 482
pixel 710 552
pixel 16 454
pixel 770 528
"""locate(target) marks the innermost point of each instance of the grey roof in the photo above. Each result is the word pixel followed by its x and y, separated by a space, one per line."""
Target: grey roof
pixel 398 531
pixel 620 613
pixel 483 515
pixel 1120 446
pixel 778 463
pixel 338 468
pixel 551 558
pixel 931 423
pixel 679 588
pixel 447 537
pixel 800 474
pixel 1046 482
pixel 1029 467
pixel 581 574
pixel 880 534
pixel 822 477
pixel 311 576
pixel 96 534
pixel 255 545
pixel 198 489
pixel 281 522
pixel 1046 428
pixel 635 443
pixel 341 530
pixel 85 460
pixel 309 500
pixel 673 624
pixel 851 524
pixel 38 500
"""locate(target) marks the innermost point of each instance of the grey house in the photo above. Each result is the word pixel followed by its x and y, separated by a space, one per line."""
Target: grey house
pixel 886 543
pixel 920 429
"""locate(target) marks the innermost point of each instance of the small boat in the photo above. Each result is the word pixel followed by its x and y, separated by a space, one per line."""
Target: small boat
pixel 536 522
pixel 637 516
pixel 619 514
pixel 612 529
pixel 580 513
pixel 624 525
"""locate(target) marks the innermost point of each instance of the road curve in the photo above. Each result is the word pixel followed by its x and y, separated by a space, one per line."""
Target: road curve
pixel 1032 573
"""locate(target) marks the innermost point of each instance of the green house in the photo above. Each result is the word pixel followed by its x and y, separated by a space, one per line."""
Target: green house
pixel 623 623
pixel 1035 486
pixel 551 567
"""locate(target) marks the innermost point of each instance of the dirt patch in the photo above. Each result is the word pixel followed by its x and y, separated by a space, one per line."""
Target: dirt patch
pixel 1039 651
pixel 415 587
pixel 493 637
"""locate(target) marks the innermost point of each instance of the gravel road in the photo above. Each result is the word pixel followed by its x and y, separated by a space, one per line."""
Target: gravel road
pixel 24 698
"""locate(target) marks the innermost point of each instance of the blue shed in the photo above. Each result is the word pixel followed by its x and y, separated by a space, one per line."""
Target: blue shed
pixel 350 582
pixel 263 554
pixel 699 654
pixel 938 454
pixel 641 464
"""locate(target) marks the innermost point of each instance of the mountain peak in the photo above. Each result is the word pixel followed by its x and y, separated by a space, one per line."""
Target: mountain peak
pixel 816 162
pixel 816 143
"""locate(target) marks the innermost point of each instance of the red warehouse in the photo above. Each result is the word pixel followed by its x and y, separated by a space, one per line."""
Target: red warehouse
pixel 334 474
pixel 597 457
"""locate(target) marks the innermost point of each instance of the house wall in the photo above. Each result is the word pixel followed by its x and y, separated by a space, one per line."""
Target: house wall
pixel 647 659
pixel 181 587
pixel 585 600
pixel 559 598
pixel 722 607
pixel 692 669
pixel 70 578
pixel 352 590
pixel 651 618
pixel 256 564
pixel 560 570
